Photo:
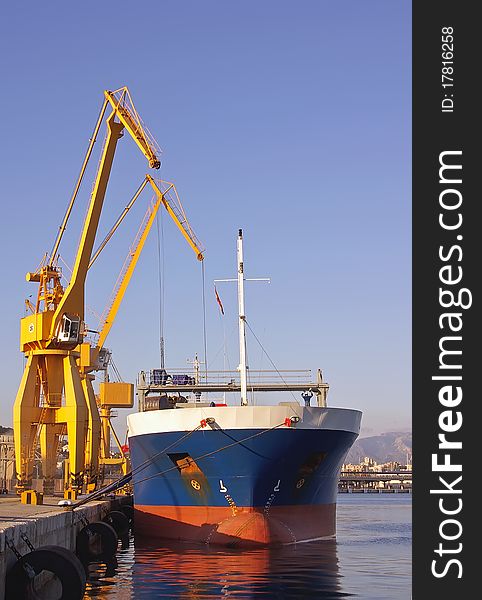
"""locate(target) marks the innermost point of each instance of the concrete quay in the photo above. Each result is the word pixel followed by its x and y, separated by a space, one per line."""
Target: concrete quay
pixel 45 524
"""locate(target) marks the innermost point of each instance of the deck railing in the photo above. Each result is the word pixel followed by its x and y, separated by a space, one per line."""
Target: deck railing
pixel 182 377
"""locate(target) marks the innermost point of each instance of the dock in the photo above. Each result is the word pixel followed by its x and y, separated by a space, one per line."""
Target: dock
pixel 383 482
pixel 42 525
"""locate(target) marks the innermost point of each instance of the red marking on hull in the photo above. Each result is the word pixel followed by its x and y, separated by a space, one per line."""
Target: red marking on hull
pixel 237 526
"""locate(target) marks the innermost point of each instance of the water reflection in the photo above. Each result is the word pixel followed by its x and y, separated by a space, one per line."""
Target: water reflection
pixel 371 561
pixel 181 571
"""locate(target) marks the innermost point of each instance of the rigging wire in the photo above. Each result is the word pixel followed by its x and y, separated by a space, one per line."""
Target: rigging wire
pixel 249 385
pixel 269 358
pixel 70 206
pixel 115 369
pixel 224 347
pixel 225 357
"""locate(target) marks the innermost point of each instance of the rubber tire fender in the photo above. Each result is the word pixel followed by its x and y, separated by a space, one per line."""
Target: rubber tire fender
pixel 128 510
pixel 108 542
pixel 119 521
pixel 60 561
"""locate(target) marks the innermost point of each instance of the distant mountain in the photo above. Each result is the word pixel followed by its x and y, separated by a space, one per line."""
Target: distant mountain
pixel 383 448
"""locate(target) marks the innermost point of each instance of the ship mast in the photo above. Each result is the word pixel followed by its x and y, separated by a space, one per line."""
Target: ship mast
pixel 242 324
pixel 242 368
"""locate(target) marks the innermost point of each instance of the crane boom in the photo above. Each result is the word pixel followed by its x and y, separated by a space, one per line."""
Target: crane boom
pixel 72 302
pixel 122 392
pixel 126 274
pixel 53 391
pixel 179 218
pixel 122 104
pixel 170 199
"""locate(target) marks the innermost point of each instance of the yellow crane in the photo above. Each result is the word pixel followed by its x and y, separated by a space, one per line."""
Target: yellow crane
pixel 120 394
pixel 55 393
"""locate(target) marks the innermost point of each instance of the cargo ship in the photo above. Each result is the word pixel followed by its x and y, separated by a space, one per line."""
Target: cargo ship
pixel 237 475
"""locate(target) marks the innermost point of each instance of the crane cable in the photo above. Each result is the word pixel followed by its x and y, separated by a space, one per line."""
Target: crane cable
pixel 115 369
pixel 204 320
pixel 160 275
pixel 119 220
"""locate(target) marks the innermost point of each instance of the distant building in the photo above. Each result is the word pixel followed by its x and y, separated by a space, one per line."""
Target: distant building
pixel 369 465
pixel 7 462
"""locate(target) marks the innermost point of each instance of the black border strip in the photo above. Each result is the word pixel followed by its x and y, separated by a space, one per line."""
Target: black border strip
pixel 435 132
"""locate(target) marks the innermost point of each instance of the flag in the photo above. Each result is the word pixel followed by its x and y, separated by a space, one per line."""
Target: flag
pixel 218 299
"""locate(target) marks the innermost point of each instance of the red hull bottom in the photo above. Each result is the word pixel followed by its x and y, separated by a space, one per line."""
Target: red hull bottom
pixel 243 526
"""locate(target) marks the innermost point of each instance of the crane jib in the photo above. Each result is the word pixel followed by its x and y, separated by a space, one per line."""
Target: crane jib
pixel 56 395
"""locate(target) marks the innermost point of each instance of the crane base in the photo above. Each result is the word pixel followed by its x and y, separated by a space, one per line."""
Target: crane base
pixel 71 494
pixel 31 497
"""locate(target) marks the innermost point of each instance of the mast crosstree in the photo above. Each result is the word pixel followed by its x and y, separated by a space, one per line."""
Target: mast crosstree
pixel 243 367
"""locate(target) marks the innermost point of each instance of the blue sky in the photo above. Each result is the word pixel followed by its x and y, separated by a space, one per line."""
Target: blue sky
pixel 290 120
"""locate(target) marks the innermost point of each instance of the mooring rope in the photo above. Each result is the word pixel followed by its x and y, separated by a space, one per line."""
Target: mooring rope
pixel 124 480
pixel 127 478
pixel 214 451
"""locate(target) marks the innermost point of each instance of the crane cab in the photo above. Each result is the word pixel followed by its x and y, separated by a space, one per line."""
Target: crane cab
pixel 70 330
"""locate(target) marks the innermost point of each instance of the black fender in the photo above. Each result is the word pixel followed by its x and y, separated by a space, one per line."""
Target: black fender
pixel 96 542
pixel 128 510
pixel 119 521
pixel 67 568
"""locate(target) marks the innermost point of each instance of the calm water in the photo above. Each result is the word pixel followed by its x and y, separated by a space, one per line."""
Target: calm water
pixel 371 559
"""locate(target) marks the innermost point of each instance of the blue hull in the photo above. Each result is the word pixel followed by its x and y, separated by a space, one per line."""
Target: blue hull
pixel 303 464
